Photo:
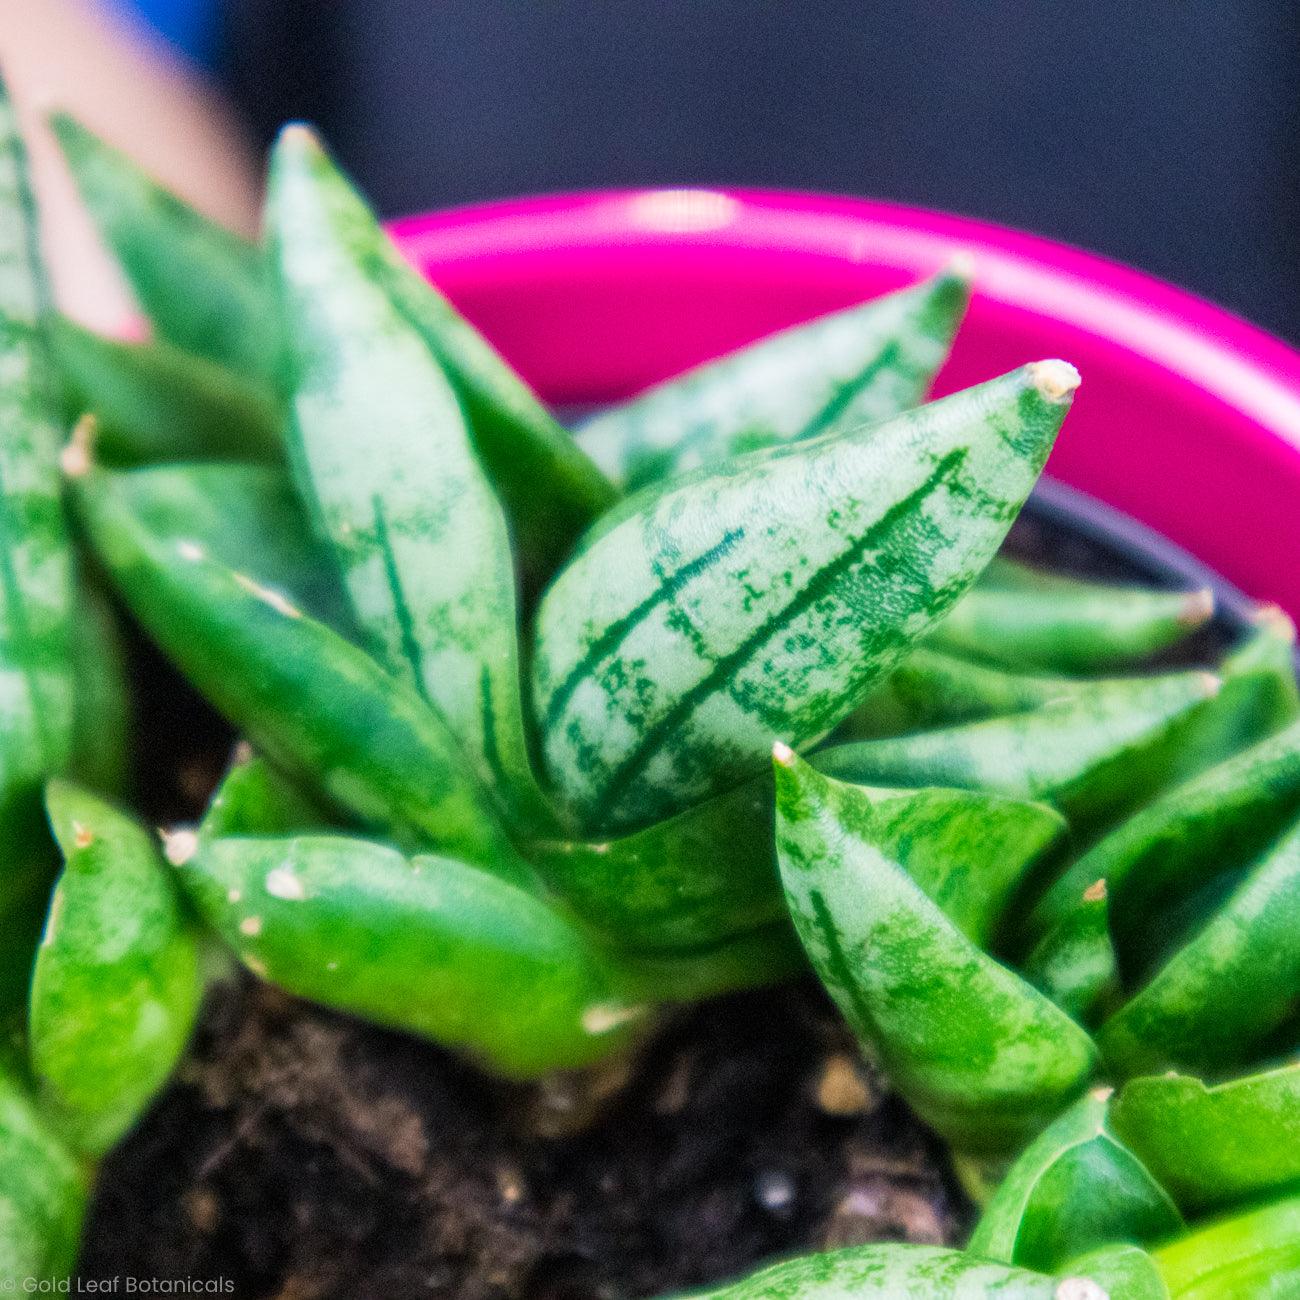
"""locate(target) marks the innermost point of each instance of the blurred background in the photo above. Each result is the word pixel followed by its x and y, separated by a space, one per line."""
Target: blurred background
pixel 1164 133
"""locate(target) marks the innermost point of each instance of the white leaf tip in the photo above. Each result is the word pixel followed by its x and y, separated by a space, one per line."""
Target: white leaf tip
pixel 1054 380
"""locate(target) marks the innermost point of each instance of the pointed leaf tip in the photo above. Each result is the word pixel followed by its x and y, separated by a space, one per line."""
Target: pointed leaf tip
pixel 1198 607
pixel 299 137
pixel 961 266
pixel 1055 380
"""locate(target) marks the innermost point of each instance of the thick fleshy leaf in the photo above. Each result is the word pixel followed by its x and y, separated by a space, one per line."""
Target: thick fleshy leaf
pixel 203 287
pixel 854 367
pixel 982 1056
pixel 1226 815
pixel 116 988
pixel 1214 1145
pixel 1092 755
pixel 37 578
pixel 931 688
pixel 254 799
pixel 1123 1272
pixel 424 944
pixel 770 954
pixel 1227 988
pixel 322 710
pixel 1269 651
pixel 101 744
pixel 1258 699
pixel 384 459
pixel 1075 1187
pixel 42 1194
pixel 1255 1254
pixel 246 516
pixel 550 489
pixel 1074 962
pixel 689 881
pixel 897 1270
pixel 1063 629
pixel 154 402
pixel 968 851
pixel 700 623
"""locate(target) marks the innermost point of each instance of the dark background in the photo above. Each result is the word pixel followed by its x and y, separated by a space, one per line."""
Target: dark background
pixel 1161 132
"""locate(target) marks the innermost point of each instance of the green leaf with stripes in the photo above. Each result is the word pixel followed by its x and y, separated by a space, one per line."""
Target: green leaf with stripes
pixel 116 988
pixel 761 600
pixel 550 489
pixel 202 286
pixel 154 402
pixel 1227 987
pixel 897 1270
pixel 1074 963
pixel 1213 1145
pixel 37 572
pixel 1169 849
pixel 385 461
pixel 981 1055
pixel 1093 755
pixel 859 366
pixel 1075 1187
pixel 320 708
pixel 425 944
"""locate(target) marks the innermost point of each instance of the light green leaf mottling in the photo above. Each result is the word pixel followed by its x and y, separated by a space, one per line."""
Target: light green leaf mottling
pixel 698 624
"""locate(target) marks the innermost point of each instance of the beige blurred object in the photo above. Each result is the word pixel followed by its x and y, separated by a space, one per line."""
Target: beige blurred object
pixel 127 86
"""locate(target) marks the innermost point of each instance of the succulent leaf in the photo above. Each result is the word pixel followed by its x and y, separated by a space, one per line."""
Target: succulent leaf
pixel 698 624
pixel 202 286
pixel 1074 962
pixel 1065 629
pixel 154 402
pixel 897 1270
pixel 1091 755
pixel 1227 988
pixel 246 516
pixel 855 367
pixel 42 1193
pixel 550 489
pixel 37 569
pixel 321 709
pixel 981 1056
pixel 384 459
pixel 1229 813
pixel 116 987
pixel 1212 1145
pixel 1256 1254
pixel 425 944
pixel 932 688
pixel 1075 1187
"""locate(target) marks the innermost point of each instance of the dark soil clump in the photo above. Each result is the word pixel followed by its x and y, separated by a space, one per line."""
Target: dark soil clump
pixel 304 1155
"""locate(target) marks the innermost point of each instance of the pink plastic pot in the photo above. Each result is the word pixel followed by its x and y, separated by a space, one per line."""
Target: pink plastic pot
pixel 1188 418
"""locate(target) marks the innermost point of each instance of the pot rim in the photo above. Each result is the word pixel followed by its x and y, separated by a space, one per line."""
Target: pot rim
pixel 1191 422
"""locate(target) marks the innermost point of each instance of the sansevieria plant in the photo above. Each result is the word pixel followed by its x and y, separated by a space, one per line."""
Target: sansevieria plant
pixel 510 697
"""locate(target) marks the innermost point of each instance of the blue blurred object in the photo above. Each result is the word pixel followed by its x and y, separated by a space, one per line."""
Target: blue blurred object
pixel 190 25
